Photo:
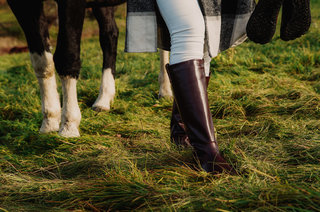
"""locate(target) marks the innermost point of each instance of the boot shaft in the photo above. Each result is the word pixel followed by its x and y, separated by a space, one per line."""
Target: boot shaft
pixel 189 85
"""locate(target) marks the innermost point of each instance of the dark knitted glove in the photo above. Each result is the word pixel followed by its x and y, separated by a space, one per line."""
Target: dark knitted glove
pixel 296 20
pixel 263 21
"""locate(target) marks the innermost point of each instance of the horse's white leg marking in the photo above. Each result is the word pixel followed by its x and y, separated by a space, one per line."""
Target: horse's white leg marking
pixel 107 91
pixel 71 115
pixel 207 60
pixel 165 86
pixel 50 103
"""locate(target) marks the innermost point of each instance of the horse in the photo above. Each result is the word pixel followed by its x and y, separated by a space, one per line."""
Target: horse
pixel 66 58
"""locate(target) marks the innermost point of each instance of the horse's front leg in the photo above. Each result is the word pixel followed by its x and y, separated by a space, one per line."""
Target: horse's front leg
pixel 67 62
pixel 165 86
pixel 108 41
pixel 31 18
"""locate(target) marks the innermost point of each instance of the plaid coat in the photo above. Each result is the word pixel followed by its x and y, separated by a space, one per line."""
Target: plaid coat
pixel 225 21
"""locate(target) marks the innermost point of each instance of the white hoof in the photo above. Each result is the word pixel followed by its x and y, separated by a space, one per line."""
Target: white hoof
pixel 106 93
pixel 103 103
pixel 165 93
pixel 69 130
pixel 100 108
pixel 165 85
pixel 50 125
pixel 50 101
pixel 71 115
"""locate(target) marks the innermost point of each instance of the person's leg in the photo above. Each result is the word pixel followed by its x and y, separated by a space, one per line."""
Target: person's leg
pixel 178 134
pixel 187 75
pixel 186 26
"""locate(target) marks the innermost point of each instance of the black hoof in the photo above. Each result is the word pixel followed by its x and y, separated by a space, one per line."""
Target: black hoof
pixel 263 21
pixel 296 19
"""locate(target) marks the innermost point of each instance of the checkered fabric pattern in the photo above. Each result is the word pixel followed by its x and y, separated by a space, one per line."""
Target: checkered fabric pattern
pixel 225 21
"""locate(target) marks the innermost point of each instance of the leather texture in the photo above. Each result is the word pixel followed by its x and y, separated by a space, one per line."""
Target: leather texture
pixel 190 91
pixel 178 133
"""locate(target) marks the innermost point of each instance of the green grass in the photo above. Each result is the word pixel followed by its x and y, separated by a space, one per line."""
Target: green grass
pixel 265 101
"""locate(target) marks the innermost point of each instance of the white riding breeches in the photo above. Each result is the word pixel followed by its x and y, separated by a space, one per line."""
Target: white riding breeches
pixel 186 26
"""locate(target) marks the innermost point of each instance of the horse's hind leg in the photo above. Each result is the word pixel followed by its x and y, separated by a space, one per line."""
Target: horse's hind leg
pixel 165 85
pixel 32 20
pixel 108 41
pixel 67 62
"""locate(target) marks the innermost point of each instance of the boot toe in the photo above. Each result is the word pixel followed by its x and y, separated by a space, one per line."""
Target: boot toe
pixel 219 165
pixel 212 161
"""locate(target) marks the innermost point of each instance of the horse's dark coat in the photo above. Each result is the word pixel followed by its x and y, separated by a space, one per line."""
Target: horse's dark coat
pixel 32 20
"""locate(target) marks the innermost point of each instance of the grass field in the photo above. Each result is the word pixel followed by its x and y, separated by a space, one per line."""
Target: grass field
pixel 265 101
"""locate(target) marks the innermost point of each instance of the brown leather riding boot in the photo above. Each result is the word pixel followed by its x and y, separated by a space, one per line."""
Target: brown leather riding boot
pixel 178 133
pixel 189 87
